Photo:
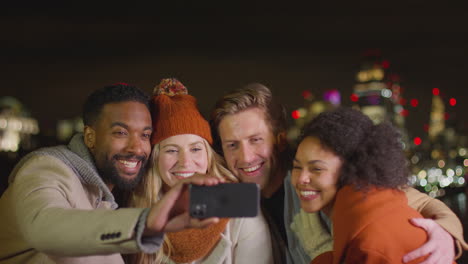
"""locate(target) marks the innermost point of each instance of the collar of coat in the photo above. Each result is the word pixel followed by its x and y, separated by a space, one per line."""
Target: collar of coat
pixel 76 156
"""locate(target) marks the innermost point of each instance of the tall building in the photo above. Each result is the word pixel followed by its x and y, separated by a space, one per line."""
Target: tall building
pixel 437 118
pixel 439 165
pixel 377 92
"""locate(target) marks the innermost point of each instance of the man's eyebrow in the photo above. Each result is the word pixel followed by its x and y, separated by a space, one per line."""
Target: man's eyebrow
pixel 230 141
pixel 119 124
pixel 249 136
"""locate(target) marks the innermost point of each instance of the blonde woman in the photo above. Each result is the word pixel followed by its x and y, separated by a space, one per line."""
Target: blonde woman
pixel 181 148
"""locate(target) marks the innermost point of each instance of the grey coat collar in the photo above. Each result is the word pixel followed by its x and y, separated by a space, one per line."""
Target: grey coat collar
pixel 76 156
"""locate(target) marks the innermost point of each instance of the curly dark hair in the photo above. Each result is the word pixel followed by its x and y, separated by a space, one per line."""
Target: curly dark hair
pixel 116 93
pixel 372 154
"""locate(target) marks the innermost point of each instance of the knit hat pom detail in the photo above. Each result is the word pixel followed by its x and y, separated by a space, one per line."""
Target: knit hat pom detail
pixel 175 112
pixel 170 87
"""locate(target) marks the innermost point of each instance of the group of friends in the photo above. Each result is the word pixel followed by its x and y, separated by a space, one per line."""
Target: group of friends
pixel 117 193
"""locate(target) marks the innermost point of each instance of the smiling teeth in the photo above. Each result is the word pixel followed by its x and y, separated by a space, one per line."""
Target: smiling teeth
pixel 308 193
pixel 185 175
pixel 129 164
pixel 251 168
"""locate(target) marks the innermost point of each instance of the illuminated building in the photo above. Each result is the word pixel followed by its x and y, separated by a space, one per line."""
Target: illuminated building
pixel 440 165
pixel 437 118
pixel 377 93
pixel 16 127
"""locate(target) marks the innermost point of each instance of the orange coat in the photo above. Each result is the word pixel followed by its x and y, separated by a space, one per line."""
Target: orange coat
pixel 372 228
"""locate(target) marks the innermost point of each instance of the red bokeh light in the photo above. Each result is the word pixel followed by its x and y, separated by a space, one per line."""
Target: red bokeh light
pixel 426 127
pixel 435 91
pixel 385 64
pixel 414 102
pixel 395 77
pixel 306 94
pixel 404 112
pixel 354 97
pixel 453 101
pixel 417 141
pixel 295 114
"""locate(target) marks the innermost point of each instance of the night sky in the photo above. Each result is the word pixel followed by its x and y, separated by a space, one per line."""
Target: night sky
pixel 52 57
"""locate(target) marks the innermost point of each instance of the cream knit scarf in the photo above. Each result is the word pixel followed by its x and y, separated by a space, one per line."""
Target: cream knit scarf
pixel 311 233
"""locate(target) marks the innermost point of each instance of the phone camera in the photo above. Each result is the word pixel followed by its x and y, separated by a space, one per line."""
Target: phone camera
pixel 199 210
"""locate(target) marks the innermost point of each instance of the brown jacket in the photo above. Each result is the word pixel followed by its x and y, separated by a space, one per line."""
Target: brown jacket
pixel 50 214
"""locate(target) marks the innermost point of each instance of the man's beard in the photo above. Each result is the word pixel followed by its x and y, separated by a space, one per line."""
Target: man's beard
pixel 109 173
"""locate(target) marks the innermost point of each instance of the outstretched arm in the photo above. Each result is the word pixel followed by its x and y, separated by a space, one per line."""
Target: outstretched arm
pixel 442 234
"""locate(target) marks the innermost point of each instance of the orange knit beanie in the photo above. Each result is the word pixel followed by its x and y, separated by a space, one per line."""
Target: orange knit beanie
pixel 175 112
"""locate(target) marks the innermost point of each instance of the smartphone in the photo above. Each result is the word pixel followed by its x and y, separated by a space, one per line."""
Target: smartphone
pixel 224 200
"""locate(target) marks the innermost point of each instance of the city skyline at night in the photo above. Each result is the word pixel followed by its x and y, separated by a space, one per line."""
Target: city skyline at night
pixel 55 55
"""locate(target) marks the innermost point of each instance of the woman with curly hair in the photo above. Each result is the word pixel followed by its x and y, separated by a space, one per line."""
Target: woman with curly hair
pixel 351 172
pixel 181 144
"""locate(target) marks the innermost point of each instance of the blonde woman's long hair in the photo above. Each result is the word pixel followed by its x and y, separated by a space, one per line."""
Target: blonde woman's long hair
pixel 149 192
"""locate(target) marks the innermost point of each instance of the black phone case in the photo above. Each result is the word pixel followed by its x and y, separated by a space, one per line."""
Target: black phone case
pixel 224 200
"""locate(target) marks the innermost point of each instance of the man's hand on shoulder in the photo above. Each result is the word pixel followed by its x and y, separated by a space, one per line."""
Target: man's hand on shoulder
pixel 440 244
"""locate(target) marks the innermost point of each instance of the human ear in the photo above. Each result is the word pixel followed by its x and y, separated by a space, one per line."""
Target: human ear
pixel 89 137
